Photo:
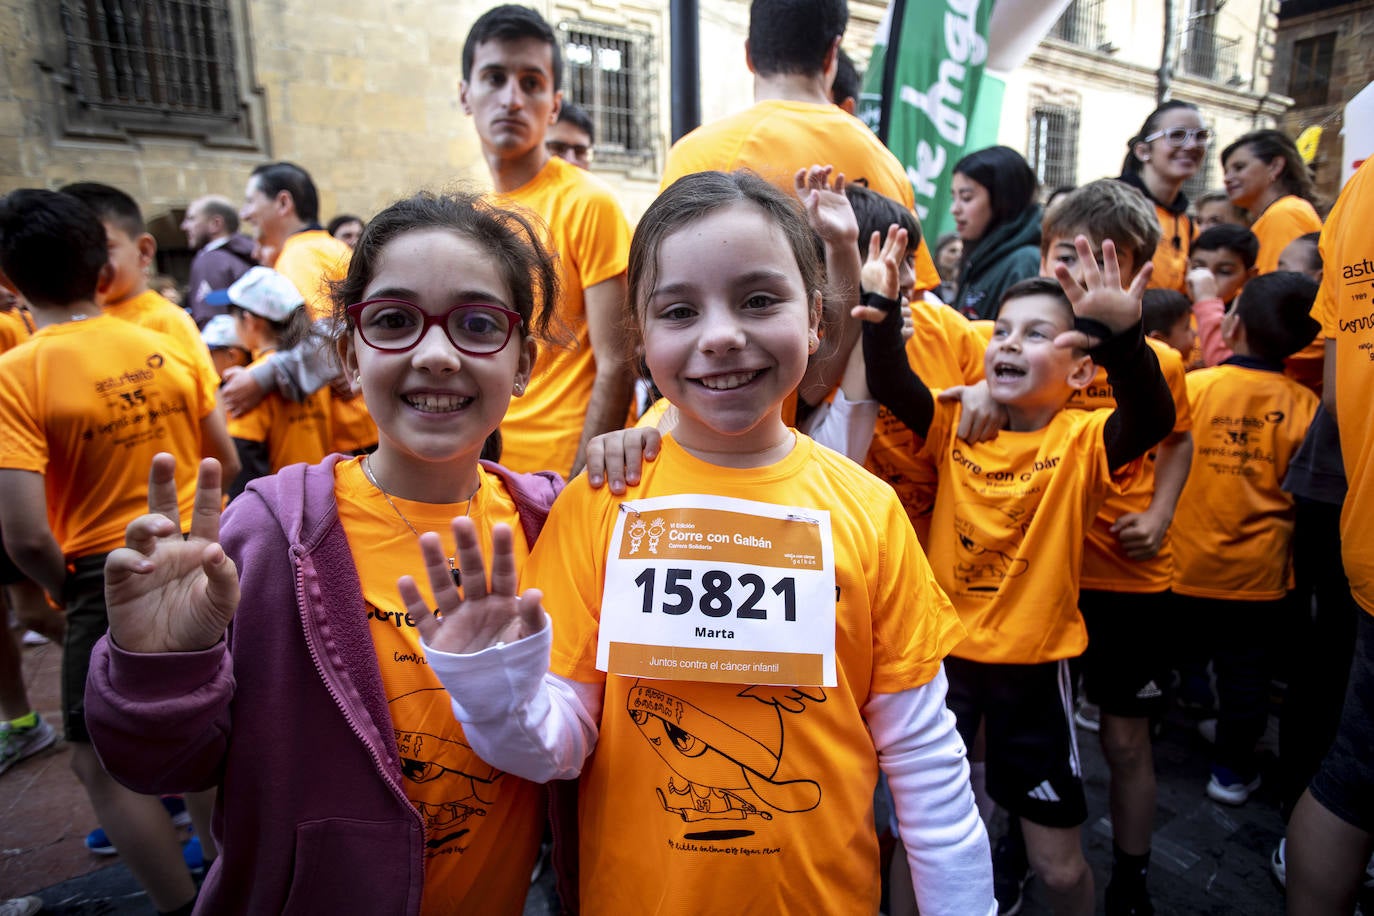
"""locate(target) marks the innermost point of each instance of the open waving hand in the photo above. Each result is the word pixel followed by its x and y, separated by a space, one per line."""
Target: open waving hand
pixel 165 593
pixel 488 613
pixel 1100 296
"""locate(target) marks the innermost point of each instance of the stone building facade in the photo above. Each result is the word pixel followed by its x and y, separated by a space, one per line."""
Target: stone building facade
pixel 1324 55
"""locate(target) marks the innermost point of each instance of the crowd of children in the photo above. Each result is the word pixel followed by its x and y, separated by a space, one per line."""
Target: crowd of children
pixel 1118 487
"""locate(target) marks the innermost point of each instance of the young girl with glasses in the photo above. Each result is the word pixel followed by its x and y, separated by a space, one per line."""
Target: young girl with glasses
pixel 1168 150
pixel 736 647
pixel 345 783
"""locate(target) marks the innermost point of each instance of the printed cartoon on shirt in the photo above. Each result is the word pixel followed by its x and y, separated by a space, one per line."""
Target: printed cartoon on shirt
pixel 981 566
pixel 458 786
pixel 727 764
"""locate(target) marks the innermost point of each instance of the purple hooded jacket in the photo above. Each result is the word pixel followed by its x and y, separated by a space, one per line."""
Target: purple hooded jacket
pixel 287 715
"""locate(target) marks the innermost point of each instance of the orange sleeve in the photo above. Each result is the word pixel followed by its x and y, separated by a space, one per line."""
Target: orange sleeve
pixel 23 444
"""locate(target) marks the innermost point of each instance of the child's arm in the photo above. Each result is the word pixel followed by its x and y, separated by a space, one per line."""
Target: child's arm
pixel 28 538
pixel 829 213
pixel 296 374
pixel 889 374
pixel 1107 323
pixel 946 844
pixel 490 649
pixel 1208 310
pixel 1141 534
pixel 215 442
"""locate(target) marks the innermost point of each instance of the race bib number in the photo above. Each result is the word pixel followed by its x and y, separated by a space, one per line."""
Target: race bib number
pixel 708 588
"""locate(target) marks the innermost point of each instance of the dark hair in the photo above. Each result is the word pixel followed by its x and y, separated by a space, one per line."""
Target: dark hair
pixel 1314 254
pixel 1161 309
pixel 848 80
pixel 1104 209
pixel 1010 182
pixel 1132 165
pixel 343 219
pixel 1267 145
pixel 578 118
pixel 287 332
pixel 793 36
pixel 215 206
pixel 1036 286
pixel 509 22
pixel 275 177
pixel 52 246
pixel 942 241
pixel 1236 239
pixel 696 196
pixel 875 213
pixel 1274 309
pixel 507 237
pixel 111 205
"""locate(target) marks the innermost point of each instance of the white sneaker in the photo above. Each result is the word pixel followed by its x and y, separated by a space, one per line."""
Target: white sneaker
pixel 17 744
pixel 1228 788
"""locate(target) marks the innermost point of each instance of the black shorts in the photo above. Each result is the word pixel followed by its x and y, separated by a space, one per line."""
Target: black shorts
pixel 1344 783
pixel 1033 768
pixel 84 596
pixel 1124 668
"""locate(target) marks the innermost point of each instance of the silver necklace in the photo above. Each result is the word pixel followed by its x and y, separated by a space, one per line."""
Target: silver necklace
pixel 372 479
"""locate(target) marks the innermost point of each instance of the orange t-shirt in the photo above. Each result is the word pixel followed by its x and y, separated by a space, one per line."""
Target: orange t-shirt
pixel 312 259
pixel 588 232
pixel 482 826
pixel 1345 307
pixel 945 350
pixel 87 404
pixel 14 330
pixel 294 432
pixel 1105 566
pixel 776 137
pixel 1008 528
pixel 1234 525
pixel 762 796
pixel 1176 233
pixel 149 309
pixel 1282 221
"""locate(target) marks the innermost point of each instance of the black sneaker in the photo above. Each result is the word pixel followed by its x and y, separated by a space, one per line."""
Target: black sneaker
pixel 1125 899
pixel 1010 872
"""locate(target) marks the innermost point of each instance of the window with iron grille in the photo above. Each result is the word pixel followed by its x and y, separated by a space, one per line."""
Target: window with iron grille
pixel 1053 145
pixel 165 66
pixel 1310 76
pixel 610 72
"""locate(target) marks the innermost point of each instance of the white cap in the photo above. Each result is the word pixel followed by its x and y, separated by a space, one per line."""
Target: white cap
pixel 219 333
pixel 262 291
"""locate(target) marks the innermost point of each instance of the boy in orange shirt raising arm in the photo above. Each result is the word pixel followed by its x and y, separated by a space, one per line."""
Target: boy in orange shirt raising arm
pixel 1127 559
pixel 1008 527
pixel 84 406
pixel 1235 524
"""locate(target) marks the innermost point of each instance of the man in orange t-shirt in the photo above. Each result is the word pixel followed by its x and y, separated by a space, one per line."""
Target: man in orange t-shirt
pixel 282 202
pixel 1331 832
pixel 512 71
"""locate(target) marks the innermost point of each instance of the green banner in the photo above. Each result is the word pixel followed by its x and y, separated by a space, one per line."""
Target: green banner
pixel 919 93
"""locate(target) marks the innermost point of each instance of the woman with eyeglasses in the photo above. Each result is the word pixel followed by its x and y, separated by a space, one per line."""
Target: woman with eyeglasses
pixel 274 657
pixel 1166 152
pixel 1265 175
